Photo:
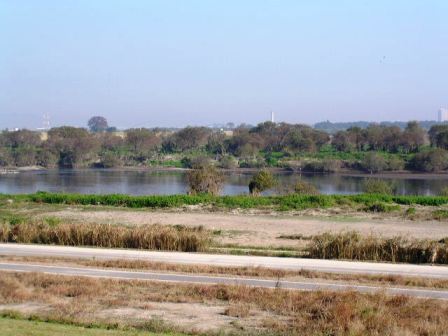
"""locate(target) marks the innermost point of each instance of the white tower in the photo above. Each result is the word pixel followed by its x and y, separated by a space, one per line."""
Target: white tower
pixel 46 121
pixel 443 114
pixel 272 117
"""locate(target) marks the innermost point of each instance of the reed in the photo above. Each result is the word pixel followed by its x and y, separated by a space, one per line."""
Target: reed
pixel 353 246
pixel 150 237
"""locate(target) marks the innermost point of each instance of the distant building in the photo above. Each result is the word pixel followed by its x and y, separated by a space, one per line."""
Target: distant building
pixel 443 114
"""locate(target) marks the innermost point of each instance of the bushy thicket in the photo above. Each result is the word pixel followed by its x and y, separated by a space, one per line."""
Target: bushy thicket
pixel 353 246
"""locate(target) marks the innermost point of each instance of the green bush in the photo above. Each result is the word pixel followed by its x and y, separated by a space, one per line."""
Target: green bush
pixel 261 181
pixel 305 188
pixel 375 186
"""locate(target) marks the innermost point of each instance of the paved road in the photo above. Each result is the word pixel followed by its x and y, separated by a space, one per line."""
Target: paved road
pixel 335 266
pixel 207 280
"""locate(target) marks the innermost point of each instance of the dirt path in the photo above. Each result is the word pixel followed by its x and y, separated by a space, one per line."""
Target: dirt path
pixel 260 230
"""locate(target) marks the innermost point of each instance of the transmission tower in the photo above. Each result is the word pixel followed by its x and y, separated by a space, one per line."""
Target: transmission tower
pixel 46 121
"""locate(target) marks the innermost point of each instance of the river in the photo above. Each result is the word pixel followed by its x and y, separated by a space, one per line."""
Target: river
pixel 150 182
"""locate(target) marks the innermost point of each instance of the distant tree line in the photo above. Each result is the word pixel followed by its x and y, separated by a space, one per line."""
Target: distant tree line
pixel 372 149
pixel 330 127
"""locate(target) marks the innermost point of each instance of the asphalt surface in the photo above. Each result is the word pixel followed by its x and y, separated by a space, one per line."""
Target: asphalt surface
pixel 207 280
pixel 335 266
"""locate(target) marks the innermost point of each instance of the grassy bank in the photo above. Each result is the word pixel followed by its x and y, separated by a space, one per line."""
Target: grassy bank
pixel 369 202
pixel 17 325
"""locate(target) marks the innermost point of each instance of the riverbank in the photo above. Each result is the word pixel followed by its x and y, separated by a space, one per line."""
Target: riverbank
pixel 276 170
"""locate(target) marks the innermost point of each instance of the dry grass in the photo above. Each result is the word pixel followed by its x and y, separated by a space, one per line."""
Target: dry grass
pixel 353 246
pixel 290 312
pixel 151 237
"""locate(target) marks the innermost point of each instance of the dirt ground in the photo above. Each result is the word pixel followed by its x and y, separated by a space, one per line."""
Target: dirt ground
pixel 260 230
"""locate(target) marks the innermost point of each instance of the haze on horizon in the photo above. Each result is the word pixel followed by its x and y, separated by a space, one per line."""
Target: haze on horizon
pixel 176 63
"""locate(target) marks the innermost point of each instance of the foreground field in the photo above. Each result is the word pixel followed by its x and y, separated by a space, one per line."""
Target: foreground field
pixel 15 327
pixel 212 309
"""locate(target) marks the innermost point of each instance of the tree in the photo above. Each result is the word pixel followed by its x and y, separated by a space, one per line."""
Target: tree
pixel 205 180
pixel 261 181
pixel 98 124
pixel 413 137
pixel 142 140
pixel 373 163
pixel 431 161
pixel 73 146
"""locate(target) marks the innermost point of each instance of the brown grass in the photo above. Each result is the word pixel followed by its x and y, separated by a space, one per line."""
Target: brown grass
pixel 291 312
pixel 354 246
pixel 151 237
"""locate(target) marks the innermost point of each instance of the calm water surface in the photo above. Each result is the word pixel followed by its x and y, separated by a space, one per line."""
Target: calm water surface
pixel 99 181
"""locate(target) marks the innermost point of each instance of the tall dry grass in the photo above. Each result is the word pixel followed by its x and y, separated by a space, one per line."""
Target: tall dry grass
pixel 354 246
pixel 151 237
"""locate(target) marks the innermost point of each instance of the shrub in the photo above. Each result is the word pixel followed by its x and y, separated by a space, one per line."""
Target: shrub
pixel 261 181
pixel 381 207
pixel 444 192
pixel 205 180
pixel 375 186
pixel 305 188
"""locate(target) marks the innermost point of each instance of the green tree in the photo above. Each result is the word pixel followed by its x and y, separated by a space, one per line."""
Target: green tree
pixel 373 163
pixel 98 124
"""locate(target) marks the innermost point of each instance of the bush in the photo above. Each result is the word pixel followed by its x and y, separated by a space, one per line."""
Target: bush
pixel 381 207
pixel 375 186
pixel 261 181
pixel 305 188
pixel 205 180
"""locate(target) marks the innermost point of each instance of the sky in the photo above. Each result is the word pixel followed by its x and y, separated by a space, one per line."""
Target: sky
pixel 175 63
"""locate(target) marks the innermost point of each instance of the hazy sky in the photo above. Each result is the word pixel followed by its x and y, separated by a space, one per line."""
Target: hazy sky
pixel 172 63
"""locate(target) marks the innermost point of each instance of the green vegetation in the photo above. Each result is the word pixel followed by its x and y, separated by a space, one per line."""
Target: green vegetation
pixel 34 327
pixel 353 246
pixel 285 202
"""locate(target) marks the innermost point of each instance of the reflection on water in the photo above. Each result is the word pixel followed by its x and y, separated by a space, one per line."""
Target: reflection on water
pixel 132 182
